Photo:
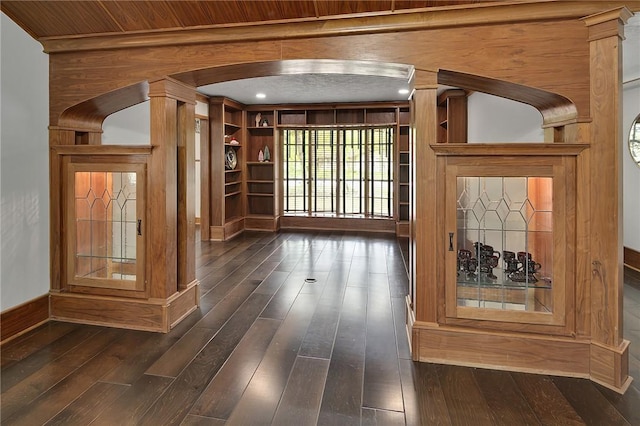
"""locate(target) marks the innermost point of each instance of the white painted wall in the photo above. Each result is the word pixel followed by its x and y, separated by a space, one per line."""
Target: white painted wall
pixel 630 172
pixel 494 119
pixel 630 110
pixel 130 126
pixel 24 167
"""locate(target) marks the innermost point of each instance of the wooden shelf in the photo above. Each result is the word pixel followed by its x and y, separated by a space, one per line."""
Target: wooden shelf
pixel 452 116
pixel 220 212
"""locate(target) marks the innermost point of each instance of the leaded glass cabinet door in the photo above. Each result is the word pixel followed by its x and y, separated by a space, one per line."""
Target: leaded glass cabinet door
pixel 105 222
pixel 507 239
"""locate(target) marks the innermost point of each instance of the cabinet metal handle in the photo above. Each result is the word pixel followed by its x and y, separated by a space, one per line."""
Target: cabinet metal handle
pixel 139 227
pixel 450 241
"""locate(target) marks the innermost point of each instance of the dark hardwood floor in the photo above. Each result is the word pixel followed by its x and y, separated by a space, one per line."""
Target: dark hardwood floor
pixel 293 329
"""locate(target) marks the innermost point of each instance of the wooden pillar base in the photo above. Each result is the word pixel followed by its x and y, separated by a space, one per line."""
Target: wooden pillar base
pixel 553 355
pixel 609 366
pixel 159 315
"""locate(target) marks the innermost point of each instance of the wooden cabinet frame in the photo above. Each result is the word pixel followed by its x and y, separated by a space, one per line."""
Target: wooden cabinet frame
pixel 116 286
pixel 506 160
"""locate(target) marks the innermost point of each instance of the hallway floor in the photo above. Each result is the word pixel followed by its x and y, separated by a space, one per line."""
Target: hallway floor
pixel 293 329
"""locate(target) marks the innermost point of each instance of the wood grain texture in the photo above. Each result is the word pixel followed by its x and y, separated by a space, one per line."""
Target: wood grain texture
pixel 540 391
pixel 89 405
pixel 504 399
pixel 342 398
pixel 504 41
pixel 225 390
pixel 456 382
pixel 424 195
pixel 302 396
pixel 225 22
pixel 130 313
pixel 382 387
pixel 255 406
pixel 502 351
pixel 606 249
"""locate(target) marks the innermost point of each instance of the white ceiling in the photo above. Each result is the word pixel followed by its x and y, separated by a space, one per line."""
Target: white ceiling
pixel 340 88
pixel 311 88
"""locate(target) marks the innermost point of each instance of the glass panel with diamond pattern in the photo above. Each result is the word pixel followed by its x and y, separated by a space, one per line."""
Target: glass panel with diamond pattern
pixel 105 225
pixel 504 241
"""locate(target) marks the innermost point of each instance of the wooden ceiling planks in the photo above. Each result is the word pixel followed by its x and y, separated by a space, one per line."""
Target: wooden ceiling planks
pixel 142 15
pixel 52 19
pixel 56 18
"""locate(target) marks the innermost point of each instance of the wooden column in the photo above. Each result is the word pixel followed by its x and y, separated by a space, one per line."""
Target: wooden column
pixel 186 194
pixel 171 225
pixel 609 351
pixel 423 220
pixel 57 136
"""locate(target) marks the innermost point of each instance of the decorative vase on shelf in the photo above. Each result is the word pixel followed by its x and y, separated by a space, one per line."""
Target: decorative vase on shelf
pixel 267 154
pixel 260 156
pixel 258 118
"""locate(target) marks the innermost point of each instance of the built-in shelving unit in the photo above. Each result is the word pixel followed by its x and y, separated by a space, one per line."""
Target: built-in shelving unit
pixel 249 195
pixel 226 218
pixel 261 212
pixel 403 172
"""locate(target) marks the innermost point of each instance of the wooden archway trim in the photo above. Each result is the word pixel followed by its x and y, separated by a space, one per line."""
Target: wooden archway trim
pixel 556 110
pixel 212 75
pixel 89 115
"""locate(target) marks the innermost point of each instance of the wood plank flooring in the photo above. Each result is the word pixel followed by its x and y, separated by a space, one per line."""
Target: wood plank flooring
pixel 294 328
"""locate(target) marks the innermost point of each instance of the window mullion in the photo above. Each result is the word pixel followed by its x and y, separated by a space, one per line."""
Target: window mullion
pixel 367 174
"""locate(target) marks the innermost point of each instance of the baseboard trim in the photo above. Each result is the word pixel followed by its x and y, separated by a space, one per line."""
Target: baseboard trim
pixel 632 258
pixel 159 315
pixel 337 224
pixel 22 318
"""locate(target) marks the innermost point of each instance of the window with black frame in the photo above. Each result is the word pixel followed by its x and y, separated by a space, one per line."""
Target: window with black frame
pixel 345 172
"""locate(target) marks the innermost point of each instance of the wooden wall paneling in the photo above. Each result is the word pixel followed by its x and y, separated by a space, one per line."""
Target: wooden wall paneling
pixel 605 34
pixel 424 196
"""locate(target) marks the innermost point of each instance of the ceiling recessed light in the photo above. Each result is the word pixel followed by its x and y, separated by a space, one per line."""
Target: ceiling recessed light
pixel 260 95
pixel 403 91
